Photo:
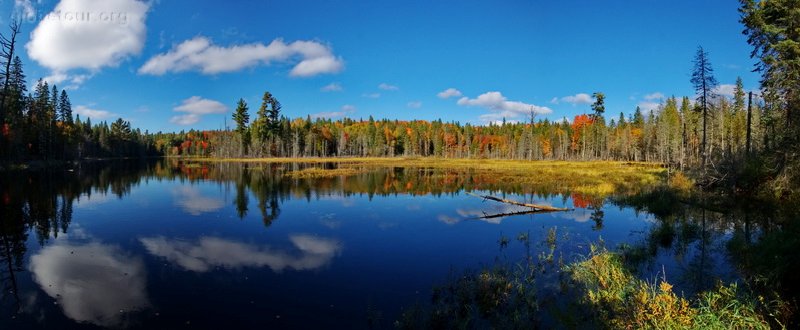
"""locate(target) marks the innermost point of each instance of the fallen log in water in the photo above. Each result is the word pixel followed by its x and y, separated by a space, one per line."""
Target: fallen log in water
pixel 535 207
pixel 503 215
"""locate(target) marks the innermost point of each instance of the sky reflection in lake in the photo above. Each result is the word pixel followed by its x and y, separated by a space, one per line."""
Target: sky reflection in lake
pixel 164 245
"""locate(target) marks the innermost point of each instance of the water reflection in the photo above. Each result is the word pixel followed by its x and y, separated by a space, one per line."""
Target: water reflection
pixel 578 215
pixel 206 253
pixel 94 282
pixel 191 201
pixel 696 245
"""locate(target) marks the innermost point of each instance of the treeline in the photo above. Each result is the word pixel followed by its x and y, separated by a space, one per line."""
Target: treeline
pixel 41 126
pixel 706 131
pixel 671 133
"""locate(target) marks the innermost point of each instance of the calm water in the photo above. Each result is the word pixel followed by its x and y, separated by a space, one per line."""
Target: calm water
pixel 173 245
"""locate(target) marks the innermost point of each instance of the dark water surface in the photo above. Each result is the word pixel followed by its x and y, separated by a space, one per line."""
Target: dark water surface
pixel 227 245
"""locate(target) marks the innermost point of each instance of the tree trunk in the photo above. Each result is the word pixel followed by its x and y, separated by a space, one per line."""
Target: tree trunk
pixel 749 120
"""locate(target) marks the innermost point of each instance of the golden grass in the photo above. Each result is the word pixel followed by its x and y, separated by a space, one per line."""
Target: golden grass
pixel 622 301
pixel 596 178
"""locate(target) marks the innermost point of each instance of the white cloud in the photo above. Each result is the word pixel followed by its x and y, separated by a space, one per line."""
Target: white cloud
pixel 371 95
pixel 501 107
pixel 387 87
pixel 346 110
pixel 580 98
pixel 88 34
pixel 196 107
pixel 209 252
pixel 78 79
pixel 85 112
pixel 414 104
pixel 647 106
pixel 56 78
pixel 332 87
pixel 93 283
pixel 200 106
pixel 725 90
pixel 24 9
pixel 185 120
pixel 554 100
pixel 654 96
pixel 448 93
pixel 200 54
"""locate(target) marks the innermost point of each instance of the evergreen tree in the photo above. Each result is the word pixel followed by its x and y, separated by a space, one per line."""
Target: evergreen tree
pixel 242 118
pixel 704 83
pixel 15 101
pixel 771 28
pixel 598 106
pixel 54 107
pixel 65 108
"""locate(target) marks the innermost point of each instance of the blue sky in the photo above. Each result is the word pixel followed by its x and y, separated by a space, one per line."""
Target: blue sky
pixel 172 65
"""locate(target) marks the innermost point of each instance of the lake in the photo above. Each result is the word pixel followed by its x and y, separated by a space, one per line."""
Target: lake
pixel 173 244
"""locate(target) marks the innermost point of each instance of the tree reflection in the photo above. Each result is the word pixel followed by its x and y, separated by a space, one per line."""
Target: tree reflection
pixel 760 240
pixel 597 216
pixel 42 202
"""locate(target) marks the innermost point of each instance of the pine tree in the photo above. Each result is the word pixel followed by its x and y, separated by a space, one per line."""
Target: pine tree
pixel 17 89
pixel 65 108
pixel 704 83
pixel 771 28
pixel 242 118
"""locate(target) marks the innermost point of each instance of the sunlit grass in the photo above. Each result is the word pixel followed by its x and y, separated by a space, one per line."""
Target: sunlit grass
pixel 595 178
pixel 620 300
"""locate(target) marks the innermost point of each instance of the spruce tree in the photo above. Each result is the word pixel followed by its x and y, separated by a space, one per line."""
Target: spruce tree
pixel 242 118
pixel 65 108
pixel 704 83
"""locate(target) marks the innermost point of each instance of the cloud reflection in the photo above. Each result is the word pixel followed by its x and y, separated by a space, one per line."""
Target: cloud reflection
pixel 92 282
pixel 209 252
pixel 191 201
pixel 478 214
pixel 579 215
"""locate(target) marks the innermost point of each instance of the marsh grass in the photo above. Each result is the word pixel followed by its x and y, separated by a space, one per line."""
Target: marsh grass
pixel 618 299
pixel 595 178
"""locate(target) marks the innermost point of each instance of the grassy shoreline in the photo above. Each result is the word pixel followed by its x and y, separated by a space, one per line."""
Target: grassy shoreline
pixel 596 178
pixel 406 161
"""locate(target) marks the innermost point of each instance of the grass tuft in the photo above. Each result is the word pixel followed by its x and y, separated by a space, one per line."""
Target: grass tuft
pixel 619 300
